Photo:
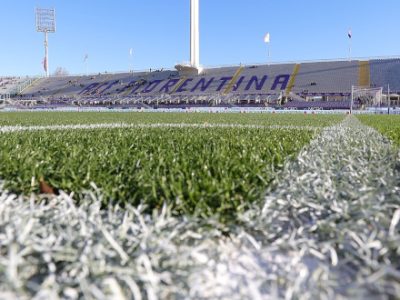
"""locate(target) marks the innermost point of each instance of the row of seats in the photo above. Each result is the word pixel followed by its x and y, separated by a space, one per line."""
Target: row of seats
pixel 326 77
pixel 384 73
pixel 314 78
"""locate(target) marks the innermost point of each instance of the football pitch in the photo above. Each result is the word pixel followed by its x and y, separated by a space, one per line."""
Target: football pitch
pixel 178 205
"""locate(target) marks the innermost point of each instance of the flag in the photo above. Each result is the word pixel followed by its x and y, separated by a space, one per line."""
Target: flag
pixel 45 64
pixel 349 34
pixel 266 38
pixel 130 52
pixel 85 58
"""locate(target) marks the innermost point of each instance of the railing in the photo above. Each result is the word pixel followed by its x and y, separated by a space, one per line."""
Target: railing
pixel 20 86
pixel 19 89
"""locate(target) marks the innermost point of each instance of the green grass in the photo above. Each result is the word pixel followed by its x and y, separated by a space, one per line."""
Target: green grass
pixel 56 118
pixel 388 125
pixel 200 171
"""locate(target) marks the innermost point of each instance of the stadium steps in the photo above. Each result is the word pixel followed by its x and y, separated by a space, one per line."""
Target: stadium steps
pixel 233 80
pixel 364 74
pixel 292 81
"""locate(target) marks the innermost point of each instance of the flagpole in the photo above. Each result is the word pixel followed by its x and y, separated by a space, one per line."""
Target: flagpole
pixel 350 35
pixel 350 49
pixel 267 41
pixel 130 60
pixel 85 59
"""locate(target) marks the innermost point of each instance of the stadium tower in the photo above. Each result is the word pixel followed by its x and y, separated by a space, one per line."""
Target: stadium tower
pixel 194 66
pixel 194 34
pixel 46 23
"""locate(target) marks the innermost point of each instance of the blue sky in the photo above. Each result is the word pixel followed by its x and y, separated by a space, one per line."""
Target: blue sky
pixel 158 31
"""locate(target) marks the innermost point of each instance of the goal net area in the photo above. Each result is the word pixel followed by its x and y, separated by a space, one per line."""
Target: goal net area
pixel 365 97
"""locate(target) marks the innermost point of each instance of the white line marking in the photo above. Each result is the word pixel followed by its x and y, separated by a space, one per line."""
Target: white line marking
pixel 7 129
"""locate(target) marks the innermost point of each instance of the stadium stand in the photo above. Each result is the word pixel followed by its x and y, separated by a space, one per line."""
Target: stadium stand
pixel 384 72
pixel 11 85
pixel 326 77
pixel 325 84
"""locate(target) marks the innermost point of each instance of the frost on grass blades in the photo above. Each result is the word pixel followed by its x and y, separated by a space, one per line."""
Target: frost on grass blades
pixel 327 227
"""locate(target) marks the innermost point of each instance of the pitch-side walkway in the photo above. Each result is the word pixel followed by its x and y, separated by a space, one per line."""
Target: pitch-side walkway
pixel 328 227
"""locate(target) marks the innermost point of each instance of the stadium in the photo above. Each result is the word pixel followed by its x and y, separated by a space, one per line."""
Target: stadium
pixel 310 85
pixel 276 180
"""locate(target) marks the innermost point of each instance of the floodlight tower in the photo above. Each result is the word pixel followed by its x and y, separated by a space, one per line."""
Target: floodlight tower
pixel 194 34
pixel 46 23
pixel 194 66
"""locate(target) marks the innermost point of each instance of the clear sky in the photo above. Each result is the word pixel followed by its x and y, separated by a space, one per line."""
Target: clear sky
pixel 231 32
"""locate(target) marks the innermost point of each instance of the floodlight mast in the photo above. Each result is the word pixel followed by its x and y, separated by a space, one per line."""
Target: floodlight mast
pixel 193 67
pixel 46 23
pixel 194 34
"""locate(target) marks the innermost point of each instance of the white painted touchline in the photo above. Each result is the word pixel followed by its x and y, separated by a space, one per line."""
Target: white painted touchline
pixel 7 129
